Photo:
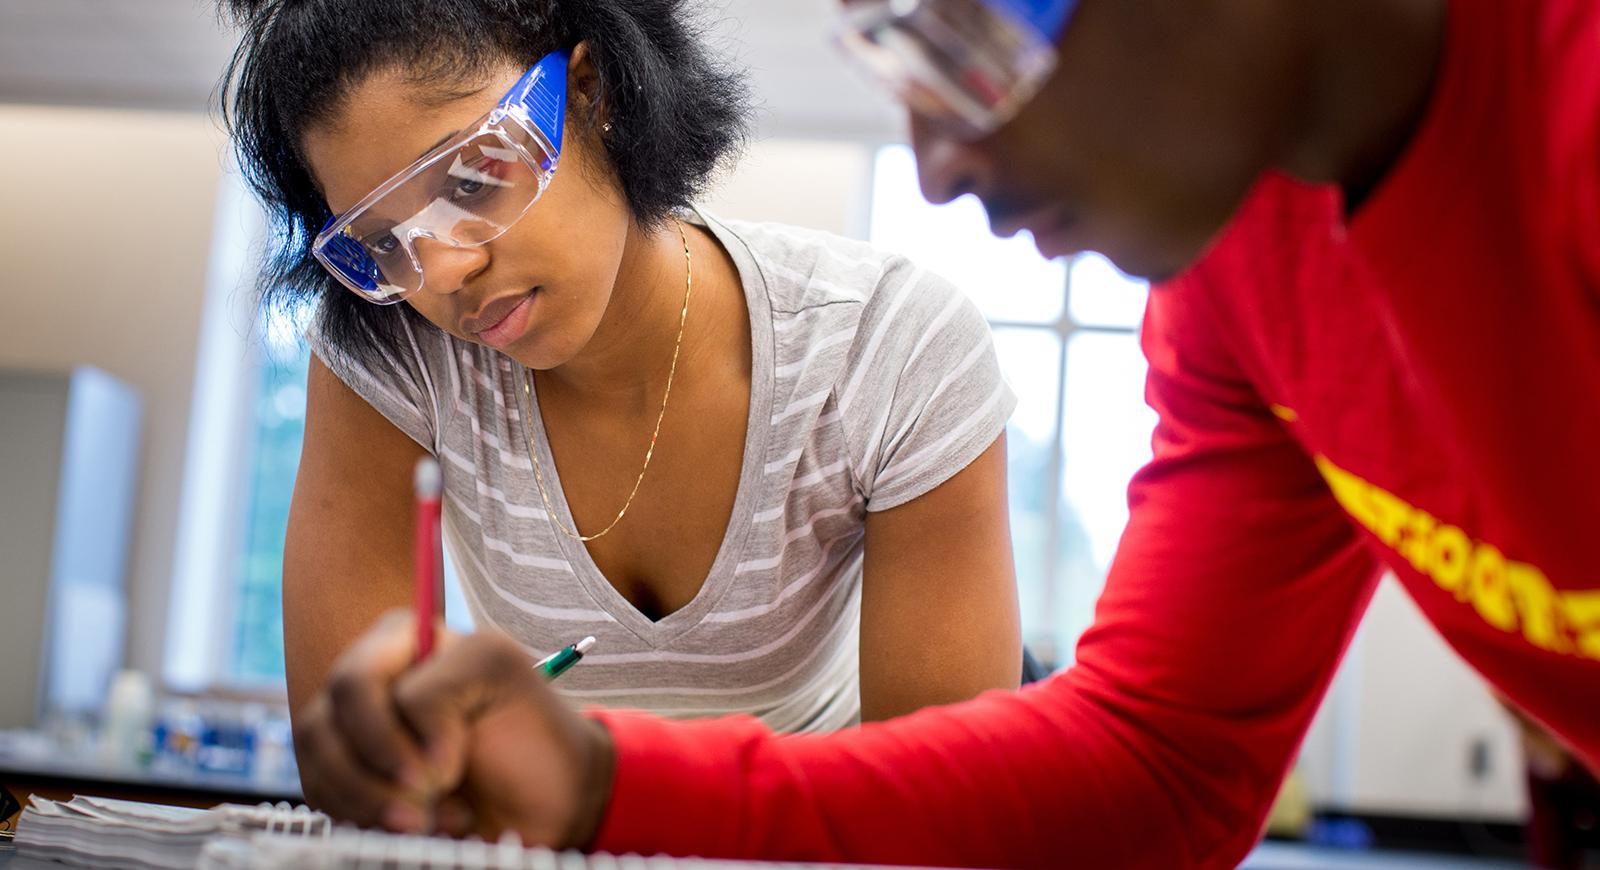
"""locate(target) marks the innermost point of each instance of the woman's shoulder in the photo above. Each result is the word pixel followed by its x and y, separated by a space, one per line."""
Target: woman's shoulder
pixel 806 268
pixel 847 313
pixel 412 377
pixel 410 348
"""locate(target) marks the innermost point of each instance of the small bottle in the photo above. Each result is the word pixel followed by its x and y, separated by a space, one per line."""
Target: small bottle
pixel 273 764
pixel 125 737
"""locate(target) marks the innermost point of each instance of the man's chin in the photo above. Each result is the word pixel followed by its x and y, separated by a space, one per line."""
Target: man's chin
pixel 1145 266
pixel 1155 263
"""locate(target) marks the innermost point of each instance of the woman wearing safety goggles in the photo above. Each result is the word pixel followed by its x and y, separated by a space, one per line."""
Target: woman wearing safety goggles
pixel 763 466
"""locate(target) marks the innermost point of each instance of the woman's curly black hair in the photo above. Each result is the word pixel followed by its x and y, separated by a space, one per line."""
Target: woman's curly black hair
pixel 675 112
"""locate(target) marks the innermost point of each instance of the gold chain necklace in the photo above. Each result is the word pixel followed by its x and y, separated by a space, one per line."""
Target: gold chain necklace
pixel 533 452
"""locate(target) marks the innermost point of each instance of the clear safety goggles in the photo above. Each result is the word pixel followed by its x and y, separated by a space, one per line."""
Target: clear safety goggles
pixel 967 66
pixel 466 192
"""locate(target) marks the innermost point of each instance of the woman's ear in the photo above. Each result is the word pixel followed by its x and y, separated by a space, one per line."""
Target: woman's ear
pixel 583 84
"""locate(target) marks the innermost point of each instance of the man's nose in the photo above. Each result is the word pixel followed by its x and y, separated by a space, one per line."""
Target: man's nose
pixel 947 167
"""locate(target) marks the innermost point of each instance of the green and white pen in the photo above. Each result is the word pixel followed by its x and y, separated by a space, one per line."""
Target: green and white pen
pixel 562 660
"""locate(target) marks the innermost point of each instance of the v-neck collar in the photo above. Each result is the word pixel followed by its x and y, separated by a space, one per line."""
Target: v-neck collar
pixel 757 431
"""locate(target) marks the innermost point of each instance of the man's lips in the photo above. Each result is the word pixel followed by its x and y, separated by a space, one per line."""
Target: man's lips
pixel 1039 220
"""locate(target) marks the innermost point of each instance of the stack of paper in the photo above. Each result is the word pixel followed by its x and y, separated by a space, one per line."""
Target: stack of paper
pixel 122 834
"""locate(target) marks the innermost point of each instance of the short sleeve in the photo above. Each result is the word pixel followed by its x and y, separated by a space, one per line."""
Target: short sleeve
pixel 923 395
pixel 398 381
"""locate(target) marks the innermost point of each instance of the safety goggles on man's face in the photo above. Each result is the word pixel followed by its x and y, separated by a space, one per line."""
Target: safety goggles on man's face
pixel 465 192
pixel 966 66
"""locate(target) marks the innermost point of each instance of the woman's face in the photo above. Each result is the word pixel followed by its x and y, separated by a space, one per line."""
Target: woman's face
pixel 536 293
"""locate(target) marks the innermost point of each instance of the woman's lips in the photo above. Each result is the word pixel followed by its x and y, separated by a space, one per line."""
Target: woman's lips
pixel 508 327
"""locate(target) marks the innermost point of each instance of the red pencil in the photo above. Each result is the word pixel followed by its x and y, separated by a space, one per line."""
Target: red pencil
pixel 427 553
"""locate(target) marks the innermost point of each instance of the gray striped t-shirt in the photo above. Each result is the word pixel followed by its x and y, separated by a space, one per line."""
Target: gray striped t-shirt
pixel 872 383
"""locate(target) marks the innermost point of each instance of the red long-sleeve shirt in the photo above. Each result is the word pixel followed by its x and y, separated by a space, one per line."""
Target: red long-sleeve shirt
pixel 1416 387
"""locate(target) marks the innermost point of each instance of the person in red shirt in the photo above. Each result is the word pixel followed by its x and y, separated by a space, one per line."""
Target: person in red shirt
pixel 1379 349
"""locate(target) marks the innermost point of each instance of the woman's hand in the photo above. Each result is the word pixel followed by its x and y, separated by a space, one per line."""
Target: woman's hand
pixel 469 741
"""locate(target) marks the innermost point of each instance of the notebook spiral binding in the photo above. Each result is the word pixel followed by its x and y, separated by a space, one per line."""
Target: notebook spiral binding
pixel 347 848
pixel 353 849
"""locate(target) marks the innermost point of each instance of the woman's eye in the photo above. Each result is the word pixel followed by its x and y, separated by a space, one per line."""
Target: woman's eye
pixel 467 187
pixel 384 244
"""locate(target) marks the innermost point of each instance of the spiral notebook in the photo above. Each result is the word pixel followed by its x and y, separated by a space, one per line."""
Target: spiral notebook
pixel 99 832
pixel 96 832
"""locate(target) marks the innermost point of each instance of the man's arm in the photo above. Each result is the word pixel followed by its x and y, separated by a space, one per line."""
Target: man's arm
pixel 1235 589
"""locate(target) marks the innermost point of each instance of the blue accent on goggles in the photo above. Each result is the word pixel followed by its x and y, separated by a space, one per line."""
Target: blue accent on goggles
pixel 542 94
pixel 1049 17
pixel 351 258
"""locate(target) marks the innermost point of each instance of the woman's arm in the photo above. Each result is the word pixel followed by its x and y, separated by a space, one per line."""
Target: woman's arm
pixel 347 557
pixel 939 619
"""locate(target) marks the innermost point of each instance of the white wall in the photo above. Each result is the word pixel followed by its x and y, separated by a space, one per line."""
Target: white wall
pixel 820 184
pixel 105 228
pixel 1395 735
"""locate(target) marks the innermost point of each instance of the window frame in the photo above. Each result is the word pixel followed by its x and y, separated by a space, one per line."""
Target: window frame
pixel 1064 327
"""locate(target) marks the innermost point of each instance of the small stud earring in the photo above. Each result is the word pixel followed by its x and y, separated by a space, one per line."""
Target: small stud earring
pixel 606 127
